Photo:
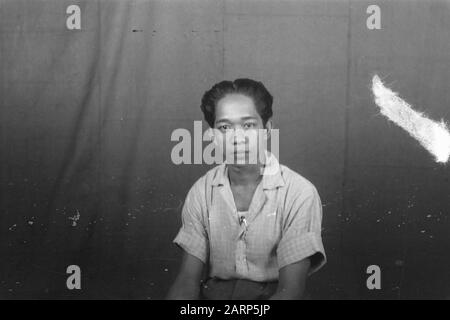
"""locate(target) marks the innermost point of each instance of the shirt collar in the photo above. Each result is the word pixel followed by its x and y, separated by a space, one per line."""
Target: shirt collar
pixel 271 175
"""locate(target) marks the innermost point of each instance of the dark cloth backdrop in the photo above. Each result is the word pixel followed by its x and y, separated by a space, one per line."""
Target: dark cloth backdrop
pixel 86 117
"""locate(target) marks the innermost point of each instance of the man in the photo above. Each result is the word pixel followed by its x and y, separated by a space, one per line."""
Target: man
pixel 253 227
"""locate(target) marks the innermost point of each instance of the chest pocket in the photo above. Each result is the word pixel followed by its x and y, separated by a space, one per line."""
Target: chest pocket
pixel 264 232
pixel 223 230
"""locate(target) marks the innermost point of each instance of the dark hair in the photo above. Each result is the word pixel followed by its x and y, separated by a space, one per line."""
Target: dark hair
pixel 253 89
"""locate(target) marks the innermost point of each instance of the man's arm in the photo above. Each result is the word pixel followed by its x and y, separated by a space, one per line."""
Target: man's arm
pixel 187 283
pixel 292 281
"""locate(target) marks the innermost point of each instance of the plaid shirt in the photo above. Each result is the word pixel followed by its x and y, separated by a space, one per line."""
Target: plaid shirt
pixel 282 226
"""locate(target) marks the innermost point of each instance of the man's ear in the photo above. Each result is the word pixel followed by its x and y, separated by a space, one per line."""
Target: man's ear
pixel 269 126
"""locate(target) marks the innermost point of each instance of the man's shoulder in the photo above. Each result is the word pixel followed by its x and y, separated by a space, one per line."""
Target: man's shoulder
pixel 295 182
pixel 206 179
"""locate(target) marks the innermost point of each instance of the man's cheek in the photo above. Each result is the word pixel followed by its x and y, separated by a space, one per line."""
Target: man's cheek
pixel 252 140
pixel 229 148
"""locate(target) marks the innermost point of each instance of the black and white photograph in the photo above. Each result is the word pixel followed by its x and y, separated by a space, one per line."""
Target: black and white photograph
pixel 229 150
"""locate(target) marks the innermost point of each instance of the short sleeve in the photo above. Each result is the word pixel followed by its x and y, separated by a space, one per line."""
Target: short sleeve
pixel 301 235
pixel 192 236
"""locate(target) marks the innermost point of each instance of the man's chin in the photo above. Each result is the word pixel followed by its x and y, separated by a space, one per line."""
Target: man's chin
pixel 243 160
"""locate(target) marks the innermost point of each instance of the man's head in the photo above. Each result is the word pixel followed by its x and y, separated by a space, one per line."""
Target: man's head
pixel 240 112
pixel 252 89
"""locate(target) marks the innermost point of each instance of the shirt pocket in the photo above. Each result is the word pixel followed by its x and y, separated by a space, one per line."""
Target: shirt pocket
pixel 264 235
pixel 223 234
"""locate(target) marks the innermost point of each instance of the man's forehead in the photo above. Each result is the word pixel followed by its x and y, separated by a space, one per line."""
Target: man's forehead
pixel 235 101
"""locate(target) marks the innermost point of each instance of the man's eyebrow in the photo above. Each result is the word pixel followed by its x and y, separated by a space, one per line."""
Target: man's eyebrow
pixel 243 119
pixel 249 118
pixel 222 120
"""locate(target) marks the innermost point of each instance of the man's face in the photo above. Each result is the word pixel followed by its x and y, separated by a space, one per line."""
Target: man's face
pixel 239 129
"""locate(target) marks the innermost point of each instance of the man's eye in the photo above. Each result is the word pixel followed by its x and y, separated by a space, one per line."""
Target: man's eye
pixel 224 127
pixel 249 125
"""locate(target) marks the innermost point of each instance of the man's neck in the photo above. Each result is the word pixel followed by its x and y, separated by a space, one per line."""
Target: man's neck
pixel 244 175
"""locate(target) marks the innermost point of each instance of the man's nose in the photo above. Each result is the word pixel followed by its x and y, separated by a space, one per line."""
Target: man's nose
pixel 239 136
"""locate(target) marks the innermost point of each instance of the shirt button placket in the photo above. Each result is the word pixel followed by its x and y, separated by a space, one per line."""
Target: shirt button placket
pixel 241 260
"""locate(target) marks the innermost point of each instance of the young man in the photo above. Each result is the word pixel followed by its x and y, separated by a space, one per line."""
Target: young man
pixel 253 228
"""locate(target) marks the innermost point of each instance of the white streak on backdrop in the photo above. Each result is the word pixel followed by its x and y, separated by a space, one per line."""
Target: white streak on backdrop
pixel 432 135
